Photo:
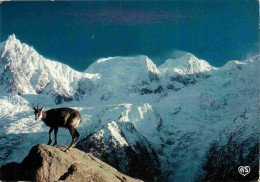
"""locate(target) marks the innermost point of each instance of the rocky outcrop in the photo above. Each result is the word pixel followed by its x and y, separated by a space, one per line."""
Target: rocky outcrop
pixel 47 163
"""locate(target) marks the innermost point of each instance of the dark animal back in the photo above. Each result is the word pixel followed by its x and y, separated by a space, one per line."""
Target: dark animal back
pixel 62 115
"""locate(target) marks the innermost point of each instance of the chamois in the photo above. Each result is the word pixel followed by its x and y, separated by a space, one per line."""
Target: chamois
pixel 59 117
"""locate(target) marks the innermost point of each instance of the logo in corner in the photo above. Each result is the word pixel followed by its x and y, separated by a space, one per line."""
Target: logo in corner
pixel 244 170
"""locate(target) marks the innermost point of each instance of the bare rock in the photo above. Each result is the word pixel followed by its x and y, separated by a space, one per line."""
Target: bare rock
pixel 47 163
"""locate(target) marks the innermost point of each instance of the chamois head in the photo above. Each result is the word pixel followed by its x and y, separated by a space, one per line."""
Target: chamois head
pixel 38 112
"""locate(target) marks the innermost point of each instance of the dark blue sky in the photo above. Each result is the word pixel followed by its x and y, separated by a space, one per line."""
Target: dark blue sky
pixel 78 33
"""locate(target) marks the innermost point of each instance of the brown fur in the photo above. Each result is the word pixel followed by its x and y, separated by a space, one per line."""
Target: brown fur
pixel 60 117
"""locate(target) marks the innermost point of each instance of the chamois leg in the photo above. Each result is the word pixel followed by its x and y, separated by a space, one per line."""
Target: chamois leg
pixel 55 135
pixel 73 135
pixel 50 131
pixel 77 135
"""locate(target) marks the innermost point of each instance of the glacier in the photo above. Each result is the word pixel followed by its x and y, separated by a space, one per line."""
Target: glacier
pixel 165 123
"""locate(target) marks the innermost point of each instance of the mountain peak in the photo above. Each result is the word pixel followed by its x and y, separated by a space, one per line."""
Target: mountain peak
pixel 25 71
pixel 11 43
pixel 186 64
pixel 11 40
pixel 140 63
pixel 12 37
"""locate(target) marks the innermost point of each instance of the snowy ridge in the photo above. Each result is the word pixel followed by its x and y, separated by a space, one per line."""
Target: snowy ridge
pixel 24 71
pixel 120 76
pixel 187 64
pixel 132 110
pixel 117 70
pixel 183 71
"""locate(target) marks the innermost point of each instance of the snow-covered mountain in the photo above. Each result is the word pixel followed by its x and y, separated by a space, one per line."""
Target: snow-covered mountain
pixel 121 76
pixel 24 71
pixel 184 70
pixel 187 64
pixel 177 122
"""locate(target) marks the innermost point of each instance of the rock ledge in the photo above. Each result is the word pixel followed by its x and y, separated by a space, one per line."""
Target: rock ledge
pixel 47 163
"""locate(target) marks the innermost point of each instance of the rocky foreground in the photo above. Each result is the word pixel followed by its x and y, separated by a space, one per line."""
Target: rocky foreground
pixel 47 163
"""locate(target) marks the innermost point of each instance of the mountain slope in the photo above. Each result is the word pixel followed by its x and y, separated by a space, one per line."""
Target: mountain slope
pixel 198 113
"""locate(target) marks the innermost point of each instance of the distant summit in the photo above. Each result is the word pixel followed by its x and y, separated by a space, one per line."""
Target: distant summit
pixel 186 64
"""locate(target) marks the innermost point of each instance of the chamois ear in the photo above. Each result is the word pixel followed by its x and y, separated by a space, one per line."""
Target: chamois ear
pixel 42 108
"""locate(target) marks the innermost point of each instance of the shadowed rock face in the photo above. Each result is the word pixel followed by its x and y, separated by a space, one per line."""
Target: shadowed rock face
pixel 47 163
pixel 134 156
pixel 143 165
